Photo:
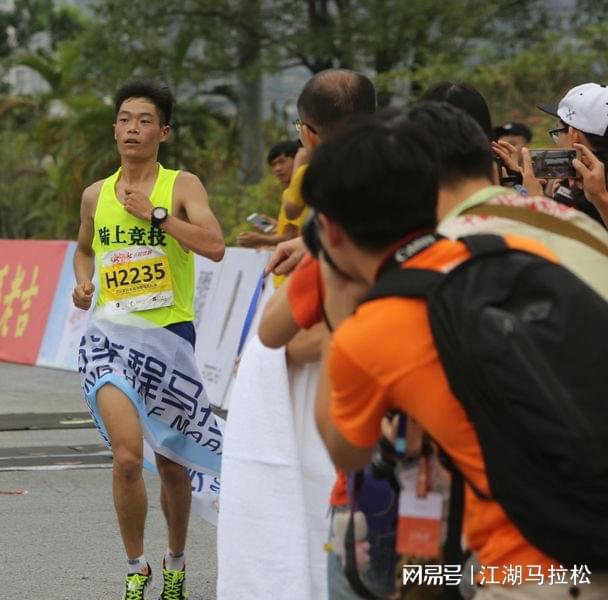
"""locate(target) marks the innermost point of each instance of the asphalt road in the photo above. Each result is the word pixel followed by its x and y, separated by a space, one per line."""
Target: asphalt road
pixel 58 534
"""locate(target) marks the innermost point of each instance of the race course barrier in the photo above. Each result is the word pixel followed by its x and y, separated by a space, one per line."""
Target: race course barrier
pixel 40 326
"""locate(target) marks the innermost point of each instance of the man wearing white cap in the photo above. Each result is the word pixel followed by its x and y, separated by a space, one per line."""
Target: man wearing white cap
pixel 583 115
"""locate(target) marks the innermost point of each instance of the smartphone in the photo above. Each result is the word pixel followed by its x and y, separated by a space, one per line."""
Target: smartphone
pixel 553 163
pixel 260 222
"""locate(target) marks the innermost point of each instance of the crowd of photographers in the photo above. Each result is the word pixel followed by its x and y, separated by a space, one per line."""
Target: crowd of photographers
pixel 404 186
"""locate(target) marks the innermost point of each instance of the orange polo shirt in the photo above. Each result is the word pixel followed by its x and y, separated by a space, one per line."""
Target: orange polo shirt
pixel 383 358
pixel 305 293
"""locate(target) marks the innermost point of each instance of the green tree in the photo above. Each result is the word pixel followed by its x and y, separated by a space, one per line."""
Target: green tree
pixel 214 55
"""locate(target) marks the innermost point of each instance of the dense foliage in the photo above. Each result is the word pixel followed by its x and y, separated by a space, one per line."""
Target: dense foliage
pixel 214 55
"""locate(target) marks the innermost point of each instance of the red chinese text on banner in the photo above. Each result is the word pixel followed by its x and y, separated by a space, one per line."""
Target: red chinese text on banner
pixel 29 274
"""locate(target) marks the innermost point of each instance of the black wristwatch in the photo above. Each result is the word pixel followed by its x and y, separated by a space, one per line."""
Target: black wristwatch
pixel 159 216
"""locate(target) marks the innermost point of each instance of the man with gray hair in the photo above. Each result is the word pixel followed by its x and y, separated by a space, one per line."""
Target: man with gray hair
pixel 269 546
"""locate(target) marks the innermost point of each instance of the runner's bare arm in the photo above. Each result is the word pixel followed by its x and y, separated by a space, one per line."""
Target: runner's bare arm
pixel 84 260
pixel 191 221
pixel 193 224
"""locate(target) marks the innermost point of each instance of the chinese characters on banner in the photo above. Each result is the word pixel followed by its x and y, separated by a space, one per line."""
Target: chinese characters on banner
pixel 29 272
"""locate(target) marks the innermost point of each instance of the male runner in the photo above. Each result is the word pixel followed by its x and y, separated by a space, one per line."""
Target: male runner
pixel 139 229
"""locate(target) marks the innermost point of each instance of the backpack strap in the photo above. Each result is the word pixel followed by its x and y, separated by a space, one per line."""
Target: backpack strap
pixel 483 243
pixel 417 283
pixel 351 572
pixel 542 221
pixel 452 547
pixel 350 568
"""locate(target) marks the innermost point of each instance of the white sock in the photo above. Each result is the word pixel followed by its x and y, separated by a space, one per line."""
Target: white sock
pixel 137 565
pixel 174 561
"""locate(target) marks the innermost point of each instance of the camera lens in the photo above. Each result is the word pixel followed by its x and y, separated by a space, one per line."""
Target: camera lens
pixel 311 235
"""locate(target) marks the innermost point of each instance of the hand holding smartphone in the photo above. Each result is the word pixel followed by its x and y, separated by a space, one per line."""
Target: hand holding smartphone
pixel 260 222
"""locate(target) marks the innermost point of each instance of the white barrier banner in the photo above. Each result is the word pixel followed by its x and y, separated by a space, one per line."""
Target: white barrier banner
pixel 224 293
pixel 66 323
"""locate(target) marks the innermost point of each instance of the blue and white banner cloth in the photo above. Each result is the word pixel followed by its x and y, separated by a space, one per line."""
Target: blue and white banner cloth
pixel 157 371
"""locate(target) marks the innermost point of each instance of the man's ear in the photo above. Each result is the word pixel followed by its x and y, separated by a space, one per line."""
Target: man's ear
pixel 577 137
pixel 114 130
pixel 165 132
pixel 334 233
pixel 311 139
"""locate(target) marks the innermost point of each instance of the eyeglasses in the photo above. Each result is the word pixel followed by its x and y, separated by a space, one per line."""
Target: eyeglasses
pixel 298 124
pixel 555 133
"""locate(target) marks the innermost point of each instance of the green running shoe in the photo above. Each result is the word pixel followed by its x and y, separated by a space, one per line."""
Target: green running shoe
pixel 137 584
pixel 174 584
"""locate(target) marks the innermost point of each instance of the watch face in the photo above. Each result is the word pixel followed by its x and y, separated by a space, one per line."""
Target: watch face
pixel 159 212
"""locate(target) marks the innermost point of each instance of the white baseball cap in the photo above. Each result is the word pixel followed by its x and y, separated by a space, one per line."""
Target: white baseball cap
pixel 584 107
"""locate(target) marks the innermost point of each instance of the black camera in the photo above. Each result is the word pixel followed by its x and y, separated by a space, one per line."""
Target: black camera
pixel 310 235
pixel 511 177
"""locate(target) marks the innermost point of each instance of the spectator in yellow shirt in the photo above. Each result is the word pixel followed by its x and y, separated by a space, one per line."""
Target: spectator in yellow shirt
pixel 281 160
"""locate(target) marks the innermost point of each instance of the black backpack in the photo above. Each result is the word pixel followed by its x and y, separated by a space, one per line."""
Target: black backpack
pixel 524 344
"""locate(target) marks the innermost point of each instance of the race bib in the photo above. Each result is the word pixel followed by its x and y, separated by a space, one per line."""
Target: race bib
pixel 135 279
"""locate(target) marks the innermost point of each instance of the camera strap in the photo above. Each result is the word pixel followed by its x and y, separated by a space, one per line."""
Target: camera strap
pixel 408 247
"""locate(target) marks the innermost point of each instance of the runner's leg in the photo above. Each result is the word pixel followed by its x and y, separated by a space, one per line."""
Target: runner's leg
pixel 175 499
pixel 124 430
